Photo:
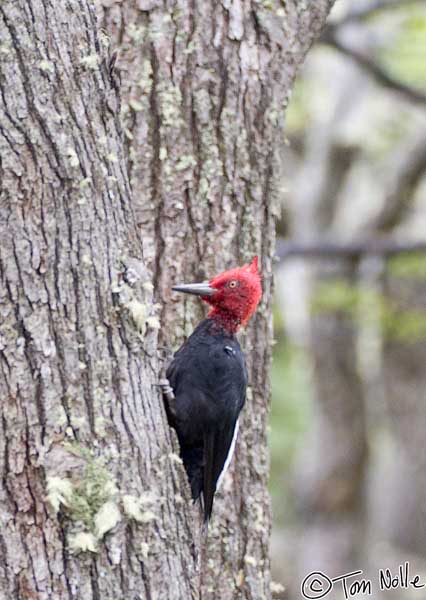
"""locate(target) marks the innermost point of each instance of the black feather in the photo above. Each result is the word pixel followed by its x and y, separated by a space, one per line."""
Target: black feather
pixel 209 379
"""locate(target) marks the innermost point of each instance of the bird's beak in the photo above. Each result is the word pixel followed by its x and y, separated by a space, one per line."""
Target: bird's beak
pixel 199 289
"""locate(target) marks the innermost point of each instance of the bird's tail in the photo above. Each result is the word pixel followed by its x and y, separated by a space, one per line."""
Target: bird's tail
pixel 209 485
pixel 192 457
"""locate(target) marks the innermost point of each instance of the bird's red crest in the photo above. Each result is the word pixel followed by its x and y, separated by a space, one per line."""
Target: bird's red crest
pixel 238 293
pixel 253 267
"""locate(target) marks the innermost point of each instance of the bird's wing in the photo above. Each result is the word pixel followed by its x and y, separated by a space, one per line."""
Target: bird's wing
pixel 219 445
pixel 230 454
pixel 209 379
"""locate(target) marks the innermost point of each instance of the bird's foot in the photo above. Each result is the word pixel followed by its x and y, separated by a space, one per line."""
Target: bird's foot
pixel 167 389
pixel 169 396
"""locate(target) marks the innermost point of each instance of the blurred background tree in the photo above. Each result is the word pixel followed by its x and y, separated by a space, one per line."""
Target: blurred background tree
pixel 349 379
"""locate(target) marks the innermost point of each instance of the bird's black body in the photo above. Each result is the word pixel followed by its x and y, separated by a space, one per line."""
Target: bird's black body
pixel 209 379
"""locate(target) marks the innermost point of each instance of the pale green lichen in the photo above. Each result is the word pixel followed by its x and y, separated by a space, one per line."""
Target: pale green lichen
pixel 145 81
pixel 204 186
pixel 153 322
pixel 72 157
pixel 90 61
pixel 185 162
pixel 100 426
pixel 134 508
pixel 178 499
pixel 46 66
pixel 138 312
pixel 143 314
pixel 88 500
pixel 82 541
pixel 129 135
pixel 111 157
pixel 170 102
pixel 95 489
pixel 85 182
pixel 106 518
pixel 135 33
pixel 133 155
pixel 144 548
pixel 259 519
pixel 135 105
pixel 148 286
pixel 86 260
pixel 59 491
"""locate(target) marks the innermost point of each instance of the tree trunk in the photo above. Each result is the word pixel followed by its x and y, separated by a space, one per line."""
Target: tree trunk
pixel 332 469
pixel 330 472
pixel 404 379
pixel 94 499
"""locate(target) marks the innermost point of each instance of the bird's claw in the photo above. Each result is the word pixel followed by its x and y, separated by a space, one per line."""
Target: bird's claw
pixel 167 389
pixel 169 396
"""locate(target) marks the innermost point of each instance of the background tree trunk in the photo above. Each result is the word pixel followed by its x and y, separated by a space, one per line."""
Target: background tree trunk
pixel 94 500
pixel 404 381
pixel 331 472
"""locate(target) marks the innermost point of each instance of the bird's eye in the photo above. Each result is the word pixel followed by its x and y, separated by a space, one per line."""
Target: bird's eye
pixel 233 284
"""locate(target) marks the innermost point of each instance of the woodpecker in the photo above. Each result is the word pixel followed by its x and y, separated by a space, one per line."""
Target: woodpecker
pixel 207 379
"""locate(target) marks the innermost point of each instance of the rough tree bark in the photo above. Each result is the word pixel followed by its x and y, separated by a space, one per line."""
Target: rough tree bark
pixel 94 501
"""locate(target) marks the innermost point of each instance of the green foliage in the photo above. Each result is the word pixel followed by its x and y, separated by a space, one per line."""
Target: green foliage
pixel 405 57
pixel 406 326
pixel 335 296
pixel 360 304
pixel 411 266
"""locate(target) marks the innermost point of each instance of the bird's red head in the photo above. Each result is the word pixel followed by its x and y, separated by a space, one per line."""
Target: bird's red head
pixel 233 295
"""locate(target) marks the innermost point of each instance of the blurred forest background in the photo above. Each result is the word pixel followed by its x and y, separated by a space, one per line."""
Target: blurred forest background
pixel 348 422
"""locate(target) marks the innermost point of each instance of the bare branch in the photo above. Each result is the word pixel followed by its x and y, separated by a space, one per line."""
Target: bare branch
pixel 405 172
pixel 373 68
pixel 365 12
pixel 320 249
